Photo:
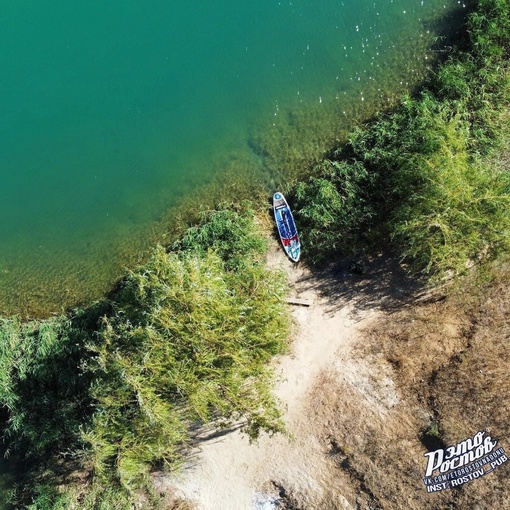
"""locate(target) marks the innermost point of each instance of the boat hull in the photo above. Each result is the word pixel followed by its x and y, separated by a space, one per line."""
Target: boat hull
pixel 286 227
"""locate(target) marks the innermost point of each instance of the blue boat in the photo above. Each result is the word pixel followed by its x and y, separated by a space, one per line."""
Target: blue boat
pixel 286 227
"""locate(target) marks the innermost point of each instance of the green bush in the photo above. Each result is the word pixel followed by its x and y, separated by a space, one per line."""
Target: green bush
pixel 188 341
pixel 232 235
pixel 414 178
pixel 477 81
pixel 49 498
pixel 185 340
pixel 41 385
pixel 459 211
pixel 333 209
pixel 95 497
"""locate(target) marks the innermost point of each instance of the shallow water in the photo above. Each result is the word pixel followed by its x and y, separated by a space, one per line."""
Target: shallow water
pixel 112 112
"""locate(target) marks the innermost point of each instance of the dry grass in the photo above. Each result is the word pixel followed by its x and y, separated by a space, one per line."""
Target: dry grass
pixel 448 363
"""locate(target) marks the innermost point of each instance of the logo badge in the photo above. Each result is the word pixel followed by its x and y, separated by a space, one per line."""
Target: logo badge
pixel 462 463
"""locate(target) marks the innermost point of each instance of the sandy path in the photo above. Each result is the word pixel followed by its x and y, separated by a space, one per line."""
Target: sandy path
pixel 229 473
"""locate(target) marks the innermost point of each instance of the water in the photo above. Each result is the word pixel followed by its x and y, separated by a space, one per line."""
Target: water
pixel 111 112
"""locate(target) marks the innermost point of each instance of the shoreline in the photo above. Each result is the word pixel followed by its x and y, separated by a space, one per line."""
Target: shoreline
pixel 189 336
pixel 38 290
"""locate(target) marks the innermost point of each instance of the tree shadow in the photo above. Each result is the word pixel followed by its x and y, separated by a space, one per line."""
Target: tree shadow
pixel 382 285
pixel 206 433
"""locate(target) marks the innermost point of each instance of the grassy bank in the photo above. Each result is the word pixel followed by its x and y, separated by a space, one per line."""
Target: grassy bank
pixel 95 400
pixel 117 389
pixel 422 179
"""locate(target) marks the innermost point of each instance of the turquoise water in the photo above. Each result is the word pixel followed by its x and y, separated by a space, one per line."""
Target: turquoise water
pixel 110 112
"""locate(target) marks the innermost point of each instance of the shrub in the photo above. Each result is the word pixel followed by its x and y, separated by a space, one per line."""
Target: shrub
pixel 232 235
pixel 414 177
pixel 185 340
pixel 333 209
pixel 41 385
pixel 456 213
pixel 189 341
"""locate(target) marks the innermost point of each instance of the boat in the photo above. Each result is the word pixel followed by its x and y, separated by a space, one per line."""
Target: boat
pixel 286 227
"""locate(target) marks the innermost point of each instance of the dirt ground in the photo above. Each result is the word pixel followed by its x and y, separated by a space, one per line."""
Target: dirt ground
pixel 373 379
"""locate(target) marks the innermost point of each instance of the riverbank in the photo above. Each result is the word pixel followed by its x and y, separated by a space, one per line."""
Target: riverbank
pixel 188 338
pixel 71 258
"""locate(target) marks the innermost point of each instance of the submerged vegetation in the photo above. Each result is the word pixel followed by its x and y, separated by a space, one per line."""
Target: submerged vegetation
pixel 115 390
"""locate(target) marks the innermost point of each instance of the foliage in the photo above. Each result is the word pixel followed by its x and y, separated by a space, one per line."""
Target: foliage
pixel 476 82
pixel 188 342
pixel 419 178
pixel 232 235
pixel 442 205
pixel 333 209
pixel 184 340
pixel 41 386
pixel 458 214
pixel 50 497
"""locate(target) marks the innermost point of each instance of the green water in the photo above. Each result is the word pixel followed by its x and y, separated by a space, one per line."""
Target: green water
pixel 111 112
